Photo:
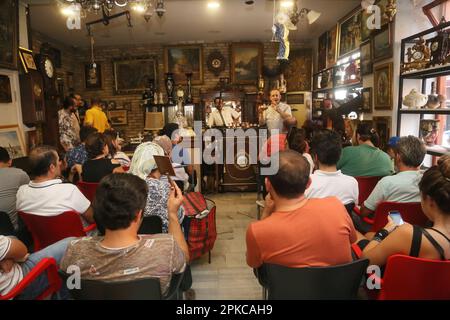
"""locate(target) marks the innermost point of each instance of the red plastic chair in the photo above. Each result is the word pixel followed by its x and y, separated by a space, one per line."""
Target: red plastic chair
pixel 366 186
pixel 54 282
pixel 48 230
pixel 88 189
pixel 408 278
pixel 411 212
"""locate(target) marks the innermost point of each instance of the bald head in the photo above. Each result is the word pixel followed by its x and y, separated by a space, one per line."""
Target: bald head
pixel 41 159
pixel 292 177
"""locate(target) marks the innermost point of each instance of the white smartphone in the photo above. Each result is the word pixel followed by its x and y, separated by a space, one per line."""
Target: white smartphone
pixel 396 217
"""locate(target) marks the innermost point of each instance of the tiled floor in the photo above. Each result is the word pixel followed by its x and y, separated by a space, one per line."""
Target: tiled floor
pixel 228 276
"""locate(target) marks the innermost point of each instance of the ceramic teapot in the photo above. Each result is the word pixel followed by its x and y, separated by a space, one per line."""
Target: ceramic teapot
pixel 415 99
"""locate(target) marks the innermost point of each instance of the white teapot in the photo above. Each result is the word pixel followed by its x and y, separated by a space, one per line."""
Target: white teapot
pixel 415 99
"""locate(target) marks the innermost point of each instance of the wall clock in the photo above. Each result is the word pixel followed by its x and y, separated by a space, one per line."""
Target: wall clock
pixel 216 63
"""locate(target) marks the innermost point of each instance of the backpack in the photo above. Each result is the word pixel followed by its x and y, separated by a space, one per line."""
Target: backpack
pixel 199 224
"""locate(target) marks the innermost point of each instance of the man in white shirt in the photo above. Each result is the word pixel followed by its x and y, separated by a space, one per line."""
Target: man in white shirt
pixel 16 263
pixel 46 195
pixel 274 114
pixel 403 186
pixel 327 181
pixel 222 117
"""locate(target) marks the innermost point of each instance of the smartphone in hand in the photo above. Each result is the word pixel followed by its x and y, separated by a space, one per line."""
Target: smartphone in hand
pixel 396 217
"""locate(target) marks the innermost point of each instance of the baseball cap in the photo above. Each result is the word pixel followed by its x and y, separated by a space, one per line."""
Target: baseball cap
pixel 393 141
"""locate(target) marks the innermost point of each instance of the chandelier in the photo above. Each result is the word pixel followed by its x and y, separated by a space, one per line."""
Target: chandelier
pixel 146 7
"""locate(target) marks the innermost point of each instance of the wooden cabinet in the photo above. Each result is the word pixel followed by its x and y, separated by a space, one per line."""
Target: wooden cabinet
pixel 32 98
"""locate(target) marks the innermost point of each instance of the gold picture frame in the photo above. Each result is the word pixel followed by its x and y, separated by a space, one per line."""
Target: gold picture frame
pixel 246 62
pixel 27 59
pixel 349 32
pixel 183 59
pixel 11 139
pixel 383 86
pixel 118 117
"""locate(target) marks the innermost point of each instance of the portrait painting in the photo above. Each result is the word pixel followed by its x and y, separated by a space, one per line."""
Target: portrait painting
pixel 8 33
pixel 5 89
pixel 366 58
pixel 246 62
pixel 383 86
pixel 383 127
pixel 180 60
pixel 366 94
pixel 118 117
pixel 350 32
pixel 382 44
pixel 133 75
pixel 299 71
pixel 322 51
pixel 93 76
pixel 11 140
pixel 331 46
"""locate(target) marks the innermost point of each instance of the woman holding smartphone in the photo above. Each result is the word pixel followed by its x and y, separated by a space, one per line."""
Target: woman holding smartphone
pixel 415 241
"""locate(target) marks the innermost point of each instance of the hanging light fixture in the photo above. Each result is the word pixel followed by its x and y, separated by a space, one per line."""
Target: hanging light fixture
pixel 160 10
pixel 303 13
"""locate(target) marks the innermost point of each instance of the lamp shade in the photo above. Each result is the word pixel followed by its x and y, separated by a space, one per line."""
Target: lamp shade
pixel 313 16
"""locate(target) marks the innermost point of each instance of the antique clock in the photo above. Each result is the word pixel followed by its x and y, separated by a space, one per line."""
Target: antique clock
pixel 216 63
pixel 418 56
pixel 32 98
pixel 439 47
pixel 47 69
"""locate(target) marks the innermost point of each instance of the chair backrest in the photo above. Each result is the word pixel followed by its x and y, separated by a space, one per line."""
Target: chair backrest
pixel 333 282
pixel 151 225
pixel 408 278
pixel 48 230
pixel 365 187
pixel 141 289
pixel 6 227
pixel 88 189
pixel 411 212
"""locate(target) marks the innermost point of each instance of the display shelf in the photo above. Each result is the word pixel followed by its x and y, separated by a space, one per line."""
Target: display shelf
pixel 433 72
pixel 424 111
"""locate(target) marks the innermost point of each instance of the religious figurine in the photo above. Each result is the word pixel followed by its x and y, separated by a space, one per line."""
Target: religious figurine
pixel 390 10
pixel 180 119
pixel 281 33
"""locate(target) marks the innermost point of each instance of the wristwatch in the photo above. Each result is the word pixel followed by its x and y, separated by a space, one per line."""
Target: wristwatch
pixel 380 235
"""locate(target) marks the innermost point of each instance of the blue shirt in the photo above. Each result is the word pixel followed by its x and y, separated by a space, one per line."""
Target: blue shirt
pixel 77 155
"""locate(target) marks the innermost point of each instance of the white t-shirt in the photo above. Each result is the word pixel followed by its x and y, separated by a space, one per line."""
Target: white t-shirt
pixel 228 114
pixel 50 198
pixel 333 184
pixel 8 280
pixel 401 187
pixel 273 118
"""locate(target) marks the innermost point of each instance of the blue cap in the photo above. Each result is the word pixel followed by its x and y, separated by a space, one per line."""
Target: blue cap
pixel 393 141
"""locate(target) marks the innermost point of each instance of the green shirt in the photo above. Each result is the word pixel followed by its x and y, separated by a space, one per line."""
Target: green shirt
pixel 365 161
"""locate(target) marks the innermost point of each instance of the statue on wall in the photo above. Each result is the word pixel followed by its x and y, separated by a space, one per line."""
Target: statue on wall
pixel 281 33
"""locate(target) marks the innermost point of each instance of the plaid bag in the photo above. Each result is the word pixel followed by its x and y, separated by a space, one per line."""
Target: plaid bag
pixel 199 224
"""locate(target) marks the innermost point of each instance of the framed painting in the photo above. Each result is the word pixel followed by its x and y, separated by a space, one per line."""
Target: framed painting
pixel 9 12
pixel 180 60
pixel 5 89
pixel 322 52
pixel 118 117
pixel 382 44
pixel 246 62
pixel 131 76
pixel 350 32
pixel 331 46
pixel 11 140
pixel 92 76
pixel 298 74
pixel 27 59
pixel 383 86
pixel 365 31
pixel 366 58
pixel 366 94
pixel 383 127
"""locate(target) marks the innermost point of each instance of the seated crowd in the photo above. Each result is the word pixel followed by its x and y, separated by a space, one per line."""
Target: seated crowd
pixel 308 218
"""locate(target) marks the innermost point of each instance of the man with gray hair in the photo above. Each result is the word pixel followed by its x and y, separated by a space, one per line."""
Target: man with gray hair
pixel 403 186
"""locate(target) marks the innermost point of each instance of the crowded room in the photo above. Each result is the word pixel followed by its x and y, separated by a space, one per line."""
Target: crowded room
pixel 225 150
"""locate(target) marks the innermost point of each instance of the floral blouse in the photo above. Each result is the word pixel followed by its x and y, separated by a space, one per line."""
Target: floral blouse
pixel 68 135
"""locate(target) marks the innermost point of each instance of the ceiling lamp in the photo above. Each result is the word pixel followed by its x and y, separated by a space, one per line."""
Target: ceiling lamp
pixel 304 13
pixel 144 7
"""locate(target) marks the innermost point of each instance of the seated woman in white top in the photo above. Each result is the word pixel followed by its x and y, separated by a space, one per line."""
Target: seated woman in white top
pixel 296 140
pixel 327 181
